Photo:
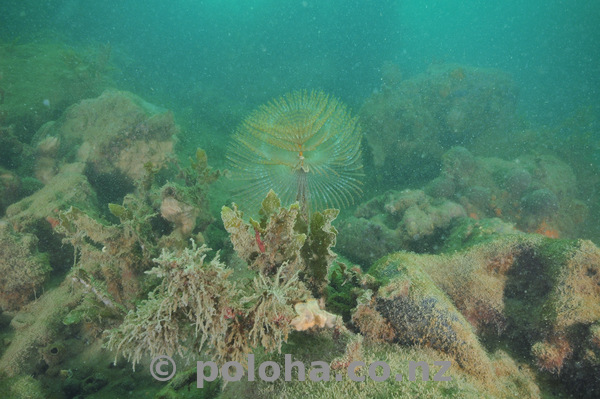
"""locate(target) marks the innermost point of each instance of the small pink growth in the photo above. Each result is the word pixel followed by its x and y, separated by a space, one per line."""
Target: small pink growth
pixel 261 245
pixel 229 313
pixel 53 221
pixel 281 319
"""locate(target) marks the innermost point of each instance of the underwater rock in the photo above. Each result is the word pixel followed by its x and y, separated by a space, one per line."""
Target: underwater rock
pixel 541 295
pixel 38 213
pixel 115 134
pixel 97 149
pixel 41 324
pixel 408 219
pixel 575 141
pixel 542 202
pixel 13 188
pixel 45 160
pixel 414 121
pixel 10 186
pixel 12 148
pixel 460 159
pixel 185 380
pixel 40 80
pixel 72 387
pixel 536 193
pixel 516 181
pixel 421 314
pixel 23 270
pixel 478 196
pixel 23 386
pixel 54 353
pixel 511 379
pixel 467 232
pixel 440 187
pixel 372 325
pixel 364 241
pixel 94 383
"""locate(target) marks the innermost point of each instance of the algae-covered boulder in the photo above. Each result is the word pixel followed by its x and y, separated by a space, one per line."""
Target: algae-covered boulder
pixel 14 187
pixel 38 81
pixel 413 122
pixel 94 154
pixel 39 211
pixel 9 188
pixel 114 135
pixel 538 193
pixel 540 295
pixel 396 220
pixel 421 314
pixel 469 231
pixel 364 240
pixel 23 386
pixel 416 366
pixel 12 148
pixel 36 326
pixel 23 269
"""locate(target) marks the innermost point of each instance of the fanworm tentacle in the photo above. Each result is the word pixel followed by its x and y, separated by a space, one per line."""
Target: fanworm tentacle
pixel 304 145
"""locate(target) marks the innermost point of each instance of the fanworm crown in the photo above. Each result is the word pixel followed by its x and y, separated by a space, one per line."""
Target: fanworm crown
pixel 305 146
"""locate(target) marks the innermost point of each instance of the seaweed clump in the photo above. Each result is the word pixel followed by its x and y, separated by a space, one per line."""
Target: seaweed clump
pixel 188 307
pixel 184 203
pixel 199 302
pixel 281 237
pixel 110 259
